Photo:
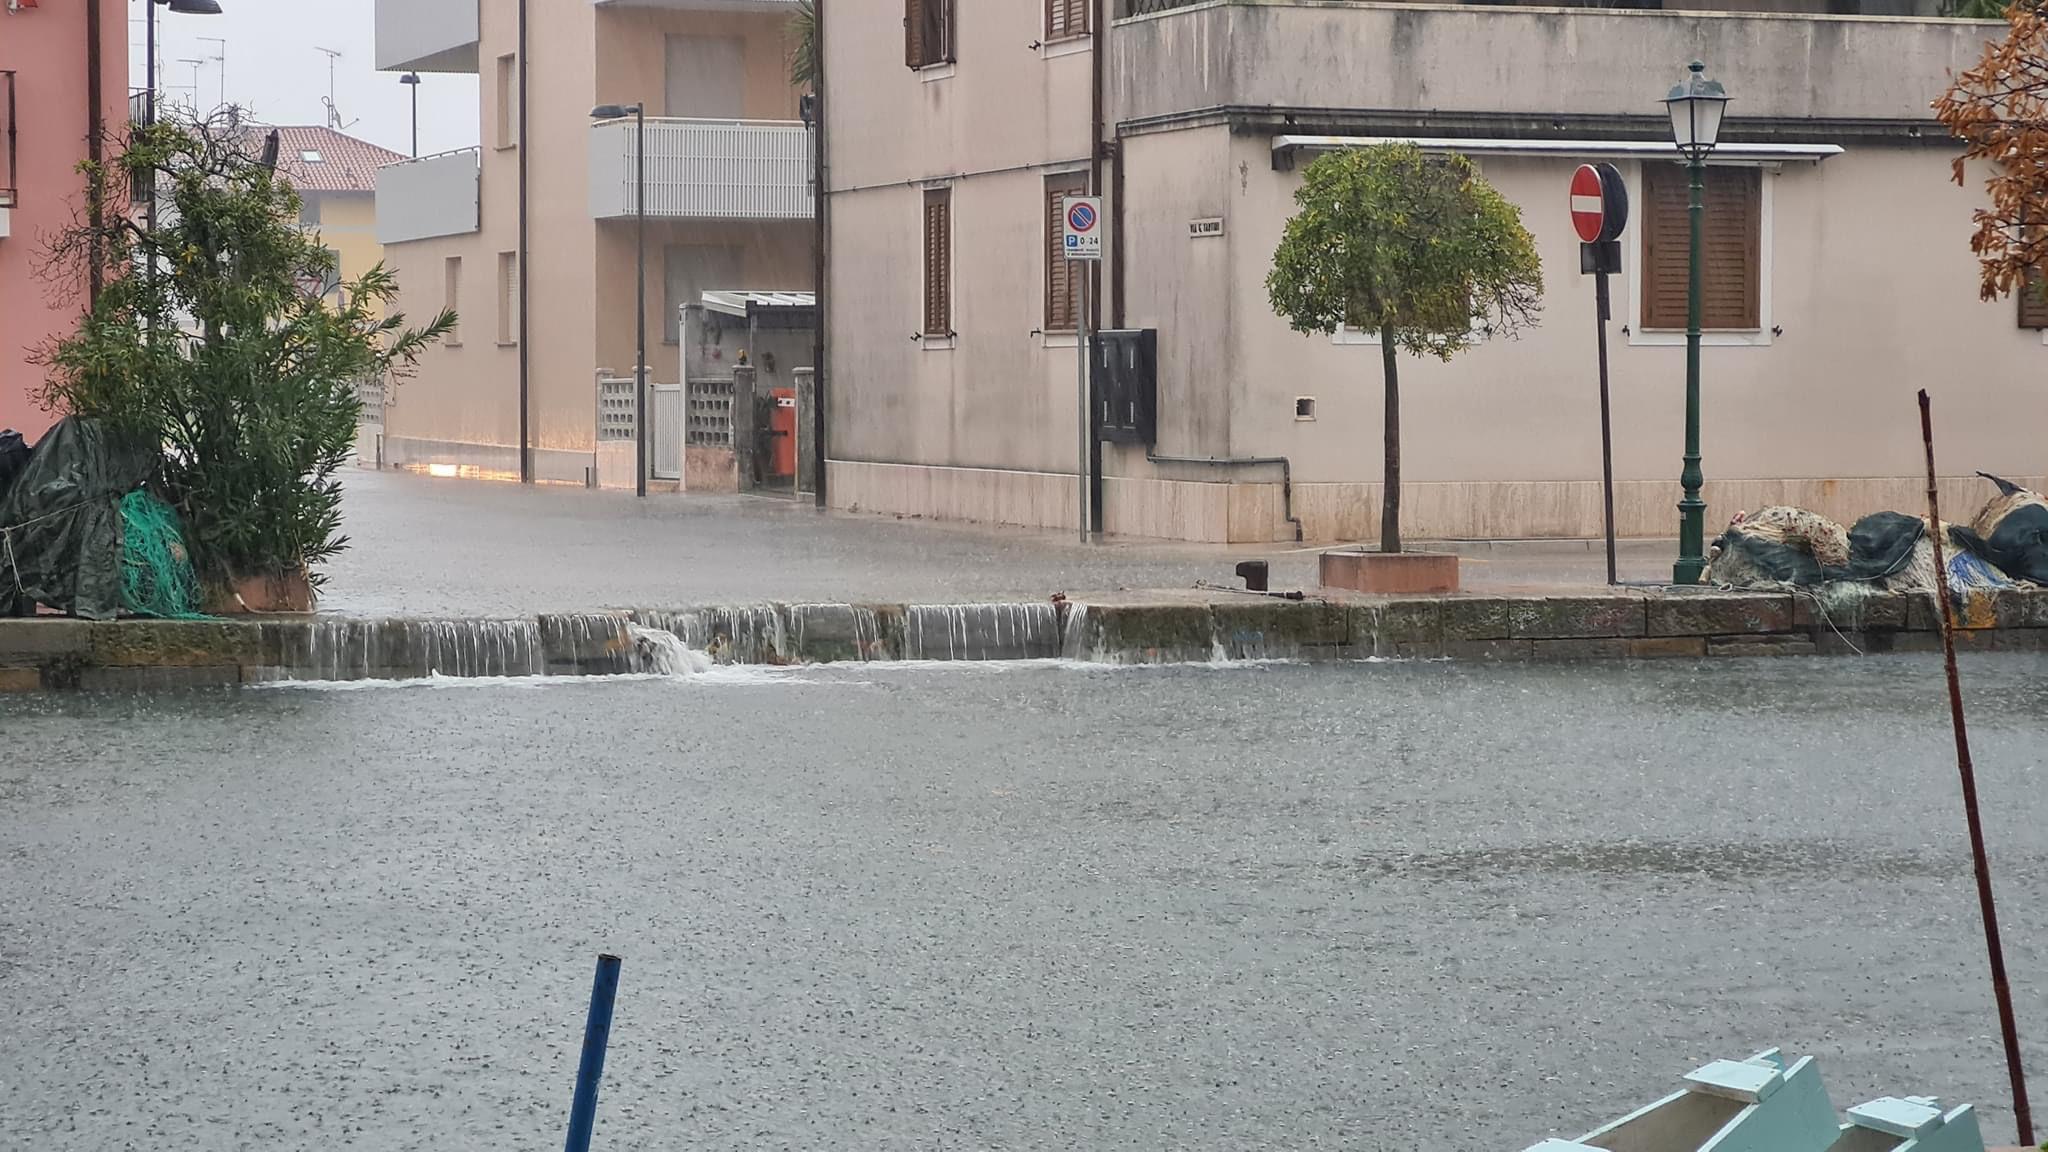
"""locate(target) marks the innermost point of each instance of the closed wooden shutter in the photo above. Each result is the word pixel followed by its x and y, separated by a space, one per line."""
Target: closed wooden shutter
pixel 1062 276
pixel 2033 303
pixel 1731 248
pixel 927 32
pixel 1065 19
pixel 938 262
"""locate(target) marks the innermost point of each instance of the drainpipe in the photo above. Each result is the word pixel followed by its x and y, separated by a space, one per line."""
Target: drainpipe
pixel 822 257
pixel 1286 476
pixel 95 131
pixel 1100 34
pixel 525 344
pixel 1099 31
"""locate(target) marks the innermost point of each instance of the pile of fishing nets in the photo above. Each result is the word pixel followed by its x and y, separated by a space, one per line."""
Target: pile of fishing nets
pixel 157 578
pixel 2005 545
pixel 80 534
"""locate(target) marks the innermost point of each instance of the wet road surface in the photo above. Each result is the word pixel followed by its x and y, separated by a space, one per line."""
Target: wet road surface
pixel 423 546
pixel 1424 906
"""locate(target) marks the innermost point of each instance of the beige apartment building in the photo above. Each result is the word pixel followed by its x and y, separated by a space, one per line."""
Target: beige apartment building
pixel 1839 273
pixel 335 175
pixel 532 236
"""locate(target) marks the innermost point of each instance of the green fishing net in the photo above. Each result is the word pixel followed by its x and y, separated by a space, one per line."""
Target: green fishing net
pixel 157 578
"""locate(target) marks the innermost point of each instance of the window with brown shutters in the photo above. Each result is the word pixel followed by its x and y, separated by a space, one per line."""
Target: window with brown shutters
pixel 927 32
pixel 2033 300
pixel 1066 19
pixel 1062 276
pixel 1731 248
pixel 938 263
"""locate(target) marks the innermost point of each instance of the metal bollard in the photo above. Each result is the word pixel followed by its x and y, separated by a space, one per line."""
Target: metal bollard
pixel 597 1031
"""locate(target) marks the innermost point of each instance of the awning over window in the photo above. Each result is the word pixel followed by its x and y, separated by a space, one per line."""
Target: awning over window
pixel 1285 148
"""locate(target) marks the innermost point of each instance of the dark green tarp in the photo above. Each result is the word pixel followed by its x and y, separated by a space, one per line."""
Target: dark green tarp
pixel 60 522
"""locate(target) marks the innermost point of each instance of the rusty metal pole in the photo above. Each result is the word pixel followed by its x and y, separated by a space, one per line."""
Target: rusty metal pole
pixel 2000 989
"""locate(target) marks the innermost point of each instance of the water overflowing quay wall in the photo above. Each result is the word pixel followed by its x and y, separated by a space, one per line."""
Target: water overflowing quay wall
pixel 1126 628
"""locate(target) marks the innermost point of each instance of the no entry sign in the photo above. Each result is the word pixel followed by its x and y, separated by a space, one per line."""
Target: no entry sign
pixel 1599 203
pixel 1587 208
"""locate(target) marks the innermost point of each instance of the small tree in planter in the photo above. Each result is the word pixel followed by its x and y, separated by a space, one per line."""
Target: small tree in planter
pixel 1416 248
pixel 226 349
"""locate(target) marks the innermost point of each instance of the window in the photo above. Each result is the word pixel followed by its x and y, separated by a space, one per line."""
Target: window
pixel 706 77
pixel 508 297
pixel 1065 19
pixel 508 101
pixel 938 263
pixel 1731 248
pixel 330 277
pixel 927 32
pixel 309 210
pixel 451 296
pixel 310 156
pixel 2033 305
pixel 1062 276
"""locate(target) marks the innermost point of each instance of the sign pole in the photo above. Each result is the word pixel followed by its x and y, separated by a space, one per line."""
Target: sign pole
pixel 1081 240
pixel 1599 208
pixel 1600 300
pixel 1081 358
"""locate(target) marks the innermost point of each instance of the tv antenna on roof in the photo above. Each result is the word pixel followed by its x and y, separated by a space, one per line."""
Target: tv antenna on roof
pixel 334 119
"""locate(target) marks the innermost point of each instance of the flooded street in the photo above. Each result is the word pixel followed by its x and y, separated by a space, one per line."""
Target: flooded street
pixel 1427 906
pixel 455 547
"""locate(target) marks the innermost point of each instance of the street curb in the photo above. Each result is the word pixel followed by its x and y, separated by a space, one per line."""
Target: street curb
pixel 1138 627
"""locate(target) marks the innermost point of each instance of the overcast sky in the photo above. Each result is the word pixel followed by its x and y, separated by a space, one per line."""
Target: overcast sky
pixel 274 68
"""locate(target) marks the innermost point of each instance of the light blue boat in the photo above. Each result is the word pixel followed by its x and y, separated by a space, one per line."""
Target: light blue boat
pixel 1764 1105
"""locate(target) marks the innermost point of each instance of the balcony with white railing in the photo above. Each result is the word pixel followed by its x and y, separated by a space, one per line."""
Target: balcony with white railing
pixel 432 196
pixel 704 169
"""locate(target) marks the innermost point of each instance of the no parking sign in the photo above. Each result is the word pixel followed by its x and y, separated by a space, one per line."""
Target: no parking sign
pixel 1083 227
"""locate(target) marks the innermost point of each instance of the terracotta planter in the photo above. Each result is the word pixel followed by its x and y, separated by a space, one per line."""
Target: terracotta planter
pixel 1390 573
pixel 286 592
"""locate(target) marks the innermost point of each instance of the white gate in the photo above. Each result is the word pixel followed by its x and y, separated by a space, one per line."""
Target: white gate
pixel 667 449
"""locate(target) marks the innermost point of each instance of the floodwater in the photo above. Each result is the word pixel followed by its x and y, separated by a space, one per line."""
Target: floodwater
pixel 1400 906
pixel 438 547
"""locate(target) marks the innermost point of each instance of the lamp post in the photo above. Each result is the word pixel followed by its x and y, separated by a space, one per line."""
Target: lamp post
pixel 1695 106
pixel 412 80
pixel 639 114
pixel 183 8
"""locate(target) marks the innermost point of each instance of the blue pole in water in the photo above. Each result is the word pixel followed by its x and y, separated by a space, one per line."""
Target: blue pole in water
pixel 597 1032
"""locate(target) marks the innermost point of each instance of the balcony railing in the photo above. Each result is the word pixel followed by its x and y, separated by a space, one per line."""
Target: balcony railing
pixel 432 196
pixel 704 169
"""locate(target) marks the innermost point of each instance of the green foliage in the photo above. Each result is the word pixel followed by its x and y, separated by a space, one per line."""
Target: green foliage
pixel 1416 248
pixel 1984 9
pixel 1388 238
pixel 211 338
pixel 803 51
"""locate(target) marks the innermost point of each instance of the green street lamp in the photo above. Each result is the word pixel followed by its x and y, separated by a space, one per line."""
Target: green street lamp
pixel 1696 106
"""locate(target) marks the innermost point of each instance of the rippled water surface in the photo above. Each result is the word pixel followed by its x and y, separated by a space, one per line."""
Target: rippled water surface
pixel 1418 906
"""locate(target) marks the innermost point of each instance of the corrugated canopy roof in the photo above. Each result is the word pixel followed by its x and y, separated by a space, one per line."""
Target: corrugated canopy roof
pixel 737 303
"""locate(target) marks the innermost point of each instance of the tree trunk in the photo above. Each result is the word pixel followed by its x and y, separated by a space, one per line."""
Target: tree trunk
pixel 1390 501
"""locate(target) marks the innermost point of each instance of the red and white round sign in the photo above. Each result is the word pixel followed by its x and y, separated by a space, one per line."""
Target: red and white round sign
pixel 1589 209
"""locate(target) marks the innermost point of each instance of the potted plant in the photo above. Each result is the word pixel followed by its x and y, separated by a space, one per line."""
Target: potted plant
pixel 1421 251
pixel 224 334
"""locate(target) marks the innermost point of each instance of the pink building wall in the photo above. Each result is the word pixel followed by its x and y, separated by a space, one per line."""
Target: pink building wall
pixel 47 48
